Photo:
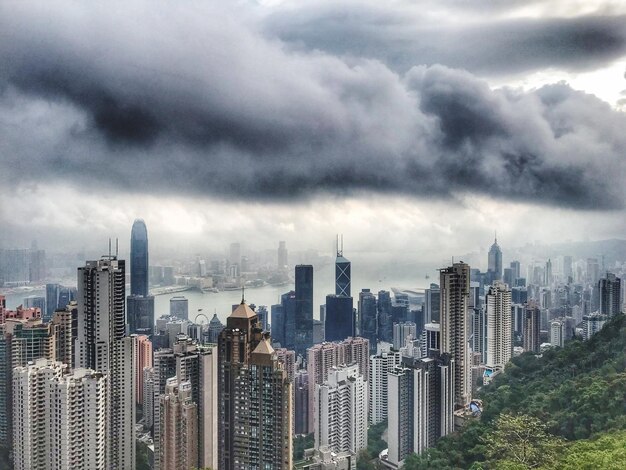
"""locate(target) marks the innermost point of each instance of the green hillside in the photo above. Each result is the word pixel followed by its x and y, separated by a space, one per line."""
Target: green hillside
pixel 575 397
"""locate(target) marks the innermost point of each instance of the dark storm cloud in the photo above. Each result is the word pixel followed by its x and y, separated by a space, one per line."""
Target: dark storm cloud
pixel 197 101
pixel 404 37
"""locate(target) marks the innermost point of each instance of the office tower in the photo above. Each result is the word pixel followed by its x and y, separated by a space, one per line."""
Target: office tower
pixel 179 417
pixel 548 273
pixel 421 405
pixel 144 359
pixel 102 346
pixel 65 332
pixel 507 276
pixel 234 259
pixel 432 303
pixel 380 366
pixel 318 331
pixel 67 295
pixel 385 323
pixel 255 405
pixel 568 271
pixel 368 318
pixel 339 318
pixel 288 303
pixel 139 259
pixel 431 339
pixel 179 307
pixel 196 364
pixel 401 331
pixel 519 295
pixel 303 308
pixel 516 268
pixel 494 261
pixel 322 357
pixel 277 326
pixel 263 314
pixel 592 324
pixel 499 330
pixel 215 328
pixel 36 301
pixel 532 321
pixel 479 332
pixel 454 285
pixel 593 271
pixel 140 315
pixel 60 417
pixel 282 256
pixel 342 273
pixel 341 411
pixel 610 295
pixel 301 402
pixel 52 299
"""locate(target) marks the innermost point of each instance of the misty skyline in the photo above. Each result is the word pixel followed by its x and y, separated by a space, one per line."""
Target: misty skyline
pixel 419 127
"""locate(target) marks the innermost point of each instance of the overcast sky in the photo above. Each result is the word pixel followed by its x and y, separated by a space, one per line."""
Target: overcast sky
pixel 406 125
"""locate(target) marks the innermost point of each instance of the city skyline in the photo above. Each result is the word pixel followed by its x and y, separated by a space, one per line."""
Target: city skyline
pixel 435 139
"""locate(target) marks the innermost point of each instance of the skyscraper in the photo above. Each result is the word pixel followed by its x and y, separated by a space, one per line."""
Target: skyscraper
pixel 421 405
pixel 339 318
pixel 531 326
pixel 140 314
pixel 380 367
pixel 139 259
pixel 102 346
pixel 178 446
pixel 499 329
pixel 432 303
pixel 385 322
pixel 342 273
pixel 401 331
pixel 282 255
pixel 455 285
pixel 341 411
pixel 255 398
pixel 610 295
pixel 494 261
pixel 368 318
pixel 303 308
pixel 179 307
pixel 62 420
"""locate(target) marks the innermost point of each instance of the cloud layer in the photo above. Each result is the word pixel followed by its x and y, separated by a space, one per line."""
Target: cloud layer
pixel 203 101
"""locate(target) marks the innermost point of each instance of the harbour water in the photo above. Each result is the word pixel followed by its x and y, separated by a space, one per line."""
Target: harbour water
pixel 323 284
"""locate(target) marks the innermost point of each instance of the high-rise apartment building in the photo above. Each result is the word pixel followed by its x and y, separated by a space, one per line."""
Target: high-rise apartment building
pixel 255 403
pixel 144 359
pixel 61 417
pixel 454 285
pixel 102 346
pixel 196 364
pixel 499 328
pixel 380 367
pixel 341 411
pixel 400 333
pixel 479 332
pixel 421 405
pixel 322 357
pixel 610 295
pixel 178 446
pixel 531 326
pixel 301 402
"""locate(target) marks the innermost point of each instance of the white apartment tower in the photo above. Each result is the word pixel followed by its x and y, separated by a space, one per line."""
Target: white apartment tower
pixel 322 357
pixel 380 367
pixel 499 328
pixel 341 416
pixel 60 418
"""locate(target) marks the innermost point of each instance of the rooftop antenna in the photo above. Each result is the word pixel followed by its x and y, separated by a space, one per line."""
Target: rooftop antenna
pixel 495 236
pixel 117 247
pixel 342 243
pixel 109 247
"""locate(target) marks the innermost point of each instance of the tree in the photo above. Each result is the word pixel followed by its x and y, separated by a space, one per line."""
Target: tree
pixel 520 442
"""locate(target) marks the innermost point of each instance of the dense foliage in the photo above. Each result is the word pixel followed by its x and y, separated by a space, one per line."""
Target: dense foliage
pixel 577 392
pixel 300 444
pixel 368 459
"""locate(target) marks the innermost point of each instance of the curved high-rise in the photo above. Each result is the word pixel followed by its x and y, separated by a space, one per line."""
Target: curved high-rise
pixel 139 259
